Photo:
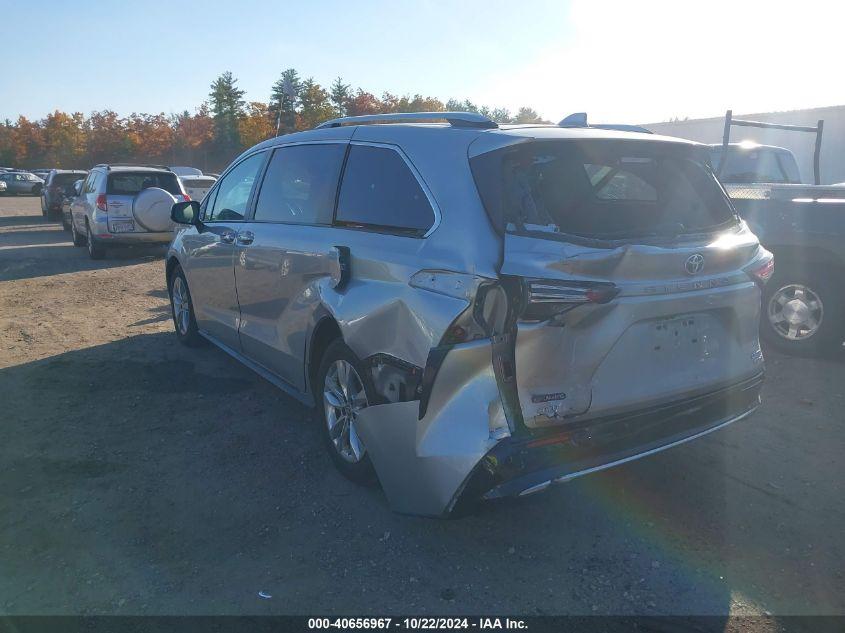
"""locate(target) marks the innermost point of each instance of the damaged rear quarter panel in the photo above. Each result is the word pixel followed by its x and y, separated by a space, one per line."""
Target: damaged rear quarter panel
pixel 424 463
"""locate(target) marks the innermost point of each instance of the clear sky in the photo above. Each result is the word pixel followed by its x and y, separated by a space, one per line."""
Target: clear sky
pixel 635 61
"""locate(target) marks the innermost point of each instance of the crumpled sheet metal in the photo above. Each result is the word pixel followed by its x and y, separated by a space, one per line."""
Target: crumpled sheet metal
pixel 424 464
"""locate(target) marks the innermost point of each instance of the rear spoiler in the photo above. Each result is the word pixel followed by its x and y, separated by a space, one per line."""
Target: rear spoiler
pixel 817 130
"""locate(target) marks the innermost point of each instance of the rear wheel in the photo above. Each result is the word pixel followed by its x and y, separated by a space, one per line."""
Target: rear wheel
pixel 803 313
pixel 95 249
pixel 342 389
pixel 182 309
pixel 78 238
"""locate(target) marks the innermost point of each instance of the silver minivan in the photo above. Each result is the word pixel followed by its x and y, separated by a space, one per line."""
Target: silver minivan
pixel 479 311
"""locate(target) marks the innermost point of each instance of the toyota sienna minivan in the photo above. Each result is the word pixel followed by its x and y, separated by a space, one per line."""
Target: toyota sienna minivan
pixel 479 311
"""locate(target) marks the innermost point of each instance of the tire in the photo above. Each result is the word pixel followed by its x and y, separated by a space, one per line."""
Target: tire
pixel 95 250
pixel 803 313
pixel 76 236
pixel 44 211
pixel 182 309
pixel 342 442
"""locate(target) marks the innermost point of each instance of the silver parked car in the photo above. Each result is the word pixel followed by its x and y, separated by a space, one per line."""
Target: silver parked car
pixel 22 183
pixel 124 205
pixel 479 311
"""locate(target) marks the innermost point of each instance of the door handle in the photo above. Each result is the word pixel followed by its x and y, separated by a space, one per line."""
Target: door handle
pixel 245 238
pixel 227 236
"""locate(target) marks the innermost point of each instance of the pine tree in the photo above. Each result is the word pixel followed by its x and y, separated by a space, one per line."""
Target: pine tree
pixel 227 109
pixel 339 95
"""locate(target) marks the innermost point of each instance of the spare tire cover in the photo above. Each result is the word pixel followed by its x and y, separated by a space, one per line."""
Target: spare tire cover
pixel 151 209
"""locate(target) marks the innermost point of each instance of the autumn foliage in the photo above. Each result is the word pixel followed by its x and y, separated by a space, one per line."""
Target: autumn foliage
pixel 211 135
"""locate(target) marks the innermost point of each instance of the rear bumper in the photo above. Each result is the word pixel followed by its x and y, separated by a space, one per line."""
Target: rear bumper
pixel 134 239
pixel 532 461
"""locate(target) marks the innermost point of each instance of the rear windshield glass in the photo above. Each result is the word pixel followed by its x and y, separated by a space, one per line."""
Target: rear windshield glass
pixel 199 183
pixel 756 165
pixel 601 189
pixel 63 180
pixel 128 183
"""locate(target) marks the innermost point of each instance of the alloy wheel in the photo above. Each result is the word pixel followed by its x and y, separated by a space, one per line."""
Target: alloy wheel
pixel 343 398
pixel 181 305
pixel 795 312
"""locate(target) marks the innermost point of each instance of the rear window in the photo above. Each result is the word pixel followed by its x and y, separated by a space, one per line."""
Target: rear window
pixel 63 180
pixel 199 183
pixel 756 165
pixel 601 189
pixel 129 183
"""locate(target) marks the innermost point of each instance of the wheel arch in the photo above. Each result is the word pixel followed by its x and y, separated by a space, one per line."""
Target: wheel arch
pixel 325 331
pixel 170 266
pixel 801 258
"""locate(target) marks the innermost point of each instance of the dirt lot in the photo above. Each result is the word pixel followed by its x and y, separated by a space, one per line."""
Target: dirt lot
pixel 137 476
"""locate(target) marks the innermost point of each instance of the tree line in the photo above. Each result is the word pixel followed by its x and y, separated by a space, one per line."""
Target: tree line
pixel 215 132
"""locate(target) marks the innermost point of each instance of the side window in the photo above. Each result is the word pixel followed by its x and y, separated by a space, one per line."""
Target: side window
pixel 380 191
pixel 89 186
pixel 300 184
pixel 232 194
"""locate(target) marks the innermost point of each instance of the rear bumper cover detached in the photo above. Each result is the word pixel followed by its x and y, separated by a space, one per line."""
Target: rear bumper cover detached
pixel 524 465
pixel 428 465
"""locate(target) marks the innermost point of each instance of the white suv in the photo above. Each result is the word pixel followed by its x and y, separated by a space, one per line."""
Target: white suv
pixel 123 205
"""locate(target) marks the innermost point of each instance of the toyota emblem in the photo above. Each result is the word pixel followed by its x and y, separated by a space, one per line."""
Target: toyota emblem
pixel 694 264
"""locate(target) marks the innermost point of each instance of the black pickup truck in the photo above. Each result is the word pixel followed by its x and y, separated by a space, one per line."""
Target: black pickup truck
pixel 804 226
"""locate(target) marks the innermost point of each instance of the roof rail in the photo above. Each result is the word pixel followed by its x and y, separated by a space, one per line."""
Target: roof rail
pixel 455 119
pixel 579 119
pixel 110 165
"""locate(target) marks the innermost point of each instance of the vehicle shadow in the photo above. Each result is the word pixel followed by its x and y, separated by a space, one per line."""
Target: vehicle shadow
pixel 43 257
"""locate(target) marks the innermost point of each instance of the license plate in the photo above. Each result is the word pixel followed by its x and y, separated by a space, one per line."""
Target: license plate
pixel 122 227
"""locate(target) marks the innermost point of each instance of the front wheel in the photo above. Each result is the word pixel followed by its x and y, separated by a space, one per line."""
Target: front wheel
pixel 182 309
pixel 342 389
pixel 803 313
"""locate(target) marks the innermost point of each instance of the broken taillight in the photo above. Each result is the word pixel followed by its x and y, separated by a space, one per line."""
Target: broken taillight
pixel 546 298
pixel 761 272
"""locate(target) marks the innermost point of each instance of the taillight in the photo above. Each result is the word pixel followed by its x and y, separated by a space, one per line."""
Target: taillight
pixel 186 197
pixel 546 298
pixel 761 272
pixel 102 203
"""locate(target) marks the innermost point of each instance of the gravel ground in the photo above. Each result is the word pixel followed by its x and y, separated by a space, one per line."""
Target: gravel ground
pixel 141 477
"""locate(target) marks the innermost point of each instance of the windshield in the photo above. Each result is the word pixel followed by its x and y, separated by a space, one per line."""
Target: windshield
pixel 129 184
pixel 602 189
pixel 755 165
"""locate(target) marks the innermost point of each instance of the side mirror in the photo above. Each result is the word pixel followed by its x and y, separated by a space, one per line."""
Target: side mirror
pixel 186 212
